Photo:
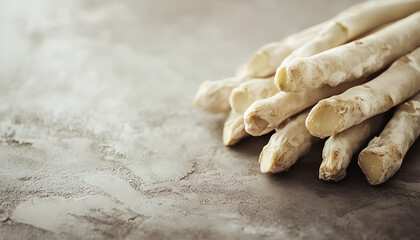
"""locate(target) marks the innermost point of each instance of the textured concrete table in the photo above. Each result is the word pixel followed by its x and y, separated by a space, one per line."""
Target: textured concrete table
pixel 98 138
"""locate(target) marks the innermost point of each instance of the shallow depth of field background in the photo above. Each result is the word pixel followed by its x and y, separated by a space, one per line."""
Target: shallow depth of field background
pixel 99 139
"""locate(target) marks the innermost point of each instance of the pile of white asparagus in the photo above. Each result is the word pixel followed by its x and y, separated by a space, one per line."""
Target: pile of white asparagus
pixel 335 80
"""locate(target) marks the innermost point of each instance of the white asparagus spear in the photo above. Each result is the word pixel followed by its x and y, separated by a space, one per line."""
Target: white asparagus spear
pixel 291 141
pixel 251 91
pixel 353 22
pixel 353 60
pixel 234 129
pixel 213 96
pixel 265 115
pixel 339 149
pixel 240 99
pixel 384 155
pixel 265 61
pixel 347 25
pixel 398 83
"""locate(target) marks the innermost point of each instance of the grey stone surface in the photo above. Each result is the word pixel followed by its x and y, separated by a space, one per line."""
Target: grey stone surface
pixel 99 139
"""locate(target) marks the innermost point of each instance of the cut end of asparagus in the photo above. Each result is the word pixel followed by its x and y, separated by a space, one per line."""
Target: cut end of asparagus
pixel 228 139
pixel 324 122
pixel 257 126
pixel 267 160
pixel 283 81
pixel 331 173
pixel 240 101
pixel 232 136
pixel 258 64
pixel 260 122
pixel 233 129
pixel 371 165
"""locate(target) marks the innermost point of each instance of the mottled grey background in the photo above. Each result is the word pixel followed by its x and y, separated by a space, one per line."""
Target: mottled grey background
pixel 99 139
